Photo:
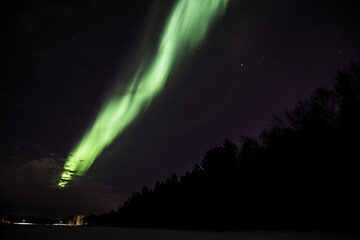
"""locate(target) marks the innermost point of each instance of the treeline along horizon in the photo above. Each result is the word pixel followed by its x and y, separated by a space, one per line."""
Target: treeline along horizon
pixel 301 173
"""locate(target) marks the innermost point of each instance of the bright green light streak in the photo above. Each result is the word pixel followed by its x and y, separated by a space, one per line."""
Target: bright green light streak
pixel 186 26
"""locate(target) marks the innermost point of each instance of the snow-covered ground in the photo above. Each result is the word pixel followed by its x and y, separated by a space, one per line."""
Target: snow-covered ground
pixel 106 233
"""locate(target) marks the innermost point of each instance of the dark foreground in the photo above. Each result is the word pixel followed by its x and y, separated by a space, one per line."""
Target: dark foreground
pixel 104 233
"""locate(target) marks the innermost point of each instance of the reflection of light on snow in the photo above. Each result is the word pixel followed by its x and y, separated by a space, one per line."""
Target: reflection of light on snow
pixel 61 224
pixel 25 223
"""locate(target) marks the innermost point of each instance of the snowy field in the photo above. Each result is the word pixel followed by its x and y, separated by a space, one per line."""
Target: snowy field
pixel 105 233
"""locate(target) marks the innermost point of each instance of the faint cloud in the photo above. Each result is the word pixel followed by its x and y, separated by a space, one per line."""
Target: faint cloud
pixel 44 164
pixel 31 187
pixel 62 159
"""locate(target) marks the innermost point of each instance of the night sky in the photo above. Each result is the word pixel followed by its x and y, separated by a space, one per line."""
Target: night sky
pixel 60 60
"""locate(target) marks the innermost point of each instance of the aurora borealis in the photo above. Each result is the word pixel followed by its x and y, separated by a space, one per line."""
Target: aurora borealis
pixel 66 62
pixel 186 27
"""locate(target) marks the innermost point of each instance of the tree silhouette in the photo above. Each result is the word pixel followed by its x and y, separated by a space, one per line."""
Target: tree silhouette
pixel 300 174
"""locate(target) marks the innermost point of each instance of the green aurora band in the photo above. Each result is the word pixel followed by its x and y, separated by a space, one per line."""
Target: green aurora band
pixel 185 28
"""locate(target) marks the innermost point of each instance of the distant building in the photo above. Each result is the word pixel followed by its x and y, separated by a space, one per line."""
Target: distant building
pixel 77 220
